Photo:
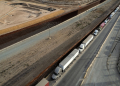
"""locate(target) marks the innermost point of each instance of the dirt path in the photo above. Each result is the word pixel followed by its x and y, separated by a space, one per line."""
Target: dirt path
pixel 46 51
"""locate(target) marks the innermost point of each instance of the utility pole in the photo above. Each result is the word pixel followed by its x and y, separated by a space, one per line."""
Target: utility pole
pixel 49 32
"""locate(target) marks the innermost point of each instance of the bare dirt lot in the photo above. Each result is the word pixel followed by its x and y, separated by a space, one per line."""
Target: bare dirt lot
pixel 18 14
pixel 15 12
pixel 46 51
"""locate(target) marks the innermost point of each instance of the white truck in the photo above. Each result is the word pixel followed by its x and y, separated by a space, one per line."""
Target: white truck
pixel 85 43
pixel 112 14
pixel 95 32
pixel 65 63
pixel 106 21
pixel 117 8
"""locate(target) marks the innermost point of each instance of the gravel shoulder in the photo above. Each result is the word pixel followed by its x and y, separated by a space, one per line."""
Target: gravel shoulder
pixel 41 55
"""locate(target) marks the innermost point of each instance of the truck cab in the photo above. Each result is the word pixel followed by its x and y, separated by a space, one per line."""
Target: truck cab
pixel 54 76
pixel 57 72
pixel 99 28
pixel 106 21
pixel 81 48
pixel 95 33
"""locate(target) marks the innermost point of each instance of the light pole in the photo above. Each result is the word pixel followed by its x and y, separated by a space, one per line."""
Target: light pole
pixel 49 32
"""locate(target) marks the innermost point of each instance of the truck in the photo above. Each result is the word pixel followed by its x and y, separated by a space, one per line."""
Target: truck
pixel 65 63
pixel 85 43
pixel 43 82
pixel 102 25
pixel 95 32
pixel 99 28
pixel 112 14
pixel 106 21
pixel 117 8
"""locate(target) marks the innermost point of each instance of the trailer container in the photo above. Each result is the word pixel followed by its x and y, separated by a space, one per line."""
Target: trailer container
pixel 66 62
pixel 85 43
pixel 95 32
pixel 43 82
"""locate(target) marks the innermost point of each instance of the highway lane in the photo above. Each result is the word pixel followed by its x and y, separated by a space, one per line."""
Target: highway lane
pixel 104 70
pixel 74 75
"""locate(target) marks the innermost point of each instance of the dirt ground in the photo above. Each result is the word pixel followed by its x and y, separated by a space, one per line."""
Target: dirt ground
pixel 12 14
pixel 14 65
pixel 17 14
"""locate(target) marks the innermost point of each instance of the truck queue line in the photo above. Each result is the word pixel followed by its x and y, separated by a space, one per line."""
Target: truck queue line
pixel 68 60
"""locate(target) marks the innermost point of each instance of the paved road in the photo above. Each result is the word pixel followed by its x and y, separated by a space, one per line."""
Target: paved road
pixel 104 71
pixel 74 75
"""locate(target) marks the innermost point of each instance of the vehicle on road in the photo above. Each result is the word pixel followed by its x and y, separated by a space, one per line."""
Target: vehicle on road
pixel 106 21
pixel 99 28
pixel 116 9
pixel 112 14
pixel 85 43
pixel 95 32
pixel 102 25
pixel 65 63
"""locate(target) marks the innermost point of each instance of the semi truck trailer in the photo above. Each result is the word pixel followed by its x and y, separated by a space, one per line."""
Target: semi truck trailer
pixel 85 43
pixel 65 63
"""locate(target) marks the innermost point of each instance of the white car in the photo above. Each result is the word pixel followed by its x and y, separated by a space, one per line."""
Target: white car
pixel 95 32
pixel 112 14
pixel 81 48
pixel 106 21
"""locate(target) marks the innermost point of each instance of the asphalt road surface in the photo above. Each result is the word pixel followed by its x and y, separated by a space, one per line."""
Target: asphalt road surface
pixel 74 76
pixel 104 70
